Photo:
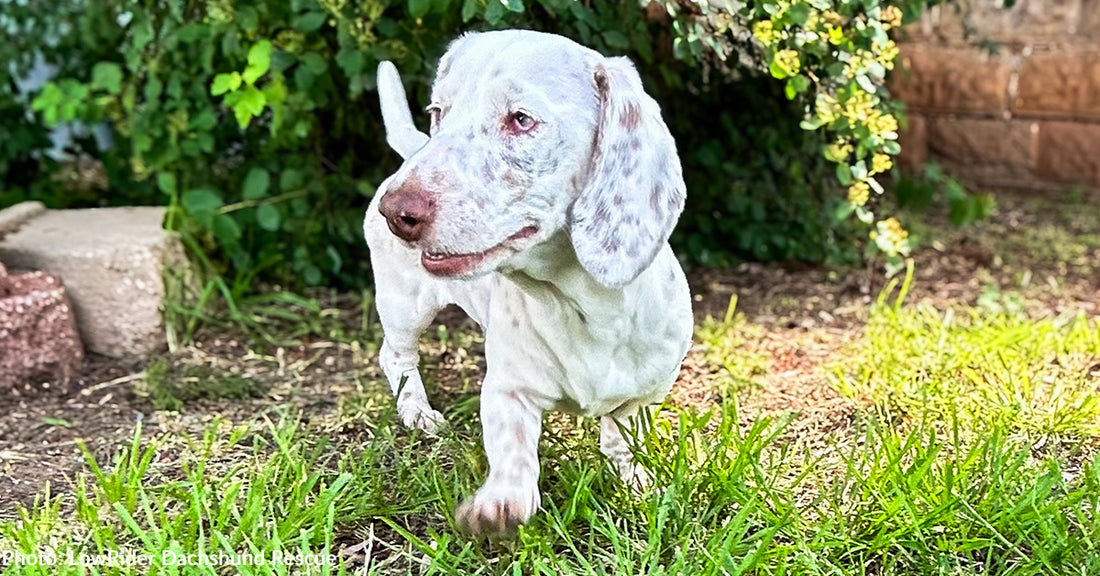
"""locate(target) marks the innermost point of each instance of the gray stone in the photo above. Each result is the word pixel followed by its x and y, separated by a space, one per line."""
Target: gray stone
pixel 111 261
pixel 13 217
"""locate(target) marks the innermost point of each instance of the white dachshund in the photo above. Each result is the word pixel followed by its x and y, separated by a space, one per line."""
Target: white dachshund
pixel 541 203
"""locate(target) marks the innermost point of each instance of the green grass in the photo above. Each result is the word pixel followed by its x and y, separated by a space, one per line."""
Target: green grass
pixel 725 341
pixel 728 501
pixel 993 365
pixel 170 391
pixel 972 453
pixel 199 298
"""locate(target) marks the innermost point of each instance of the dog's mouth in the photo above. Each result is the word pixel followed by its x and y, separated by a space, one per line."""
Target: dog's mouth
pixel 449 265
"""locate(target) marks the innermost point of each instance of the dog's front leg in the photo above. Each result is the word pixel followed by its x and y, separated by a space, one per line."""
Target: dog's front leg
pixel 400 360
pixel 617 431
pixel 511 424
pixel 407 299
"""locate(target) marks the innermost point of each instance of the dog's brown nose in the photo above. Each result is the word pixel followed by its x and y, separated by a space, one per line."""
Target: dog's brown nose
pixel 409 210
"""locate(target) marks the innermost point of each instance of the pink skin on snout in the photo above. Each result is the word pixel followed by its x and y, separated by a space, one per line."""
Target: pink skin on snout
pixel 458 264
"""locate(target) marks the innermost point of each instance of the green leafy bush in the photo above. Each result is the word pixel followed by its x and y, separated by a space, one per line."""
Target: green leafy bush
pixel 254 120
pixel 70 36
pixel 932 187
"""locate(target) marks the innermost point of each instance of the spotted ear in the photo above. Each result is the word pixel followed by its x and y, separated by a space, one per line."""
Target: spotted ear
pixel 635 189
pixel 401 133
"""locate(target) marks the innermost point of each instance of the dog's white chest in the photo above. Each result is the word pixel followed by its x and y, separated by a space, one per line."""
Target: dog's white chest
pixel 591 359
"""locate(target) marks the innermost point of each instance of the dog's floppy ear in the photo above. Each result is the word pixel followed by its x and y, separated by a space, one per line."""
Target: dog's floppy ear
pixel 635 190
pixel 401 133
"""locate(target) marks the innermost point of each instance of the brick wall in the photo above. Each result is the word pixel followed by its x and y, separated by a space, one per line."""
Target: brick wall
pixel 1004 98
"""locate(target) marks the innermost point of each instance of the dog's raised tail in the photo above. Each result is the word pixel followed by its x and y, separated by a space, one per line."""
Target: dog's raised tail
pixel 401 133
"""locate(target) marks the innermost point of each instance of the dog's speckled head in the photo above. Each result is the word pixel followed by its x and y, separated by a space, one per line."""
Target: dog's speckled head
pixel 532 134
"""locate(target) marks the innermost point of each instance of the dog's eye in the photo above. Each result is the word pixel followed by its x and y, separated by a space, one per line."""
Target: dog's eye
pixel 436 114
pixel 520 123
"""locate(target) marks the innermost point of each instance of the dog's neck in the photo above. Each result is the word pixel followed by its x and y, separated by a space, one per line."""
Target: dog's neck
pixel 551 269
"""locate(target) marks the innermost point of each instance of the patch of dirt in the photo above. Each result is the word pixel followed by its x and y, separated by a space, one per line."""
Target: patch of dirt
pixel 795 383
pixel 698 384
pixel 1045 251
pixel 39 434
pixel 1048 257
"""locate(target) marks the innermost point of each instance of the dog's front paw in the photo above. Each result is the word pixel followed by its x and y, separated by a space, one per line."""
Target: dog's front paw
pixel 497 509
pixel 420 416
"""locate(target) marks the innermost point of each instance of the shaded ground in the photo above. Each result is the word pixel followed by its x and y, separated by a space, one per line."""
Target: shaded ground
pixel 1035 256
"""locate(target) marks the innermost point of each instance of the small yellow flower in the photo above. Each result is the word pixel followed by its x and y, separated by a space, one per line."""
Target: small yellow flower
pixel 885 123
pixel 891 16
pixel 858 193
pixel 859 108
pixel 836 36
pixel 854 66
pixel 881 163
pixel 891 228
pixel 839 150
pixel 887 53
pixel 789 61
pixel 827 108
pixel 890 237
pixel 764 32
pixel 813 20
pixel 860 99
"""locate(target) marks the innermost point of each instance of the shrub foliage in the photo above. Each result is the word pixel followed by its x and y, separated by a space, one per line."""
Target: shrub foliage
pixel 255 121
